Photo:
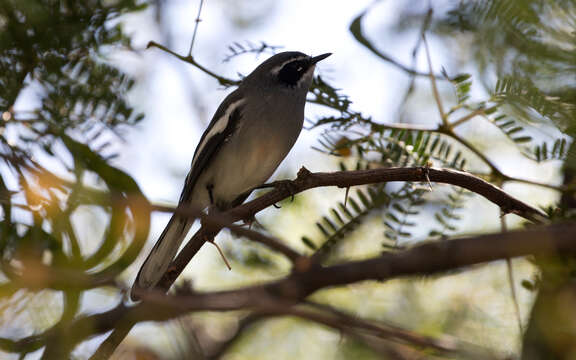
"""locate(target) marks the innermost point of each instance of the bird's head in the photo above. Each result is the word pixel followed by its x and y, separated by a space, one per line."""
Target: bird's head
pixel 285 71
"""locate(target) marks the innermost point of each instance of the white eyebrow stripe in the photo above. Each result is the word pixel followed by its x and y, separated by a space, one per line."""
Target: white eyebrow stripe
pixel 219 126
pixel 276 69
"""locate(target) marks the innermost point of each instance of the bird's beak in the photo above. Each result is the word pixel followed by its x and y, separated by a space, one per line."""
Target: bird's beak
pixel 315 59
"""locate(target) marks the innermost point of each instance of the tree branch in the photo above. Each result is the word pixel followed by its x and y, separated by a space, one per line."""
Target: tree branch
pixel 220 220
pixel 309 277
pixel 445 344
pixel 426 259
pixel 190 60
pixel 355 29
pixel 307 180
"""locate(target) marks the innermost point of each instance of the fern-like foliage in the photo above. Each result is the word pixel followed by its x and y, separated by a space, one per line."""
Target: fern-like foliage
pixel 530 53
pixel 512 129
pixel 448 215
pixel 394 147
pixel 54 58
pixel 557 151
pixel 401 217
pixel 522 94
pixel 324 94
pixel 248 47
pixel 345 218
pixel 462 84
pixel 59 51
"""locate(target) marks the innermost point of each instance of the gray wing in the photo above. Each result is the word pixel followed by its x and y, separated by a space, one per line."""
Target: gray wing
pixel 221 127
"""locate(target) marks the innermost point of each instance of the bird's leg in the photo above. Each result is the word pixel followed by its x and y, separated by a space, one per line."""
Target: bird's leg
pixel 210 188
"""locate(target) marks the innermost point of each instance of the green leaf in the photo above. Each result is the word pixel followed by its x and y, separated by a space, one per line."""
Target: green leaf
pixel 308 243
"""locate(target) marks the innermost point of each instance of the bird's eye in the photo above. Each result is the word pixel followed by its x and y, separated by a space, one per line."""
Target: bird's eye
pixel 292 72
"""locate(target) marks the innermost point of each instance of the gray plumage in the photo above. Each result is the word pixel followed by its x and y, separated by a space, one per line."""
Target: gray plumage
pixel 250 134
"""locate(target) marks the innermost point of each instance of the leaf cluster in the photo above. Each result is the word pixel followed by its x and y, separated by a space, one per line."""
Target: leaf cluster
pixel 55 53
pixel 62 101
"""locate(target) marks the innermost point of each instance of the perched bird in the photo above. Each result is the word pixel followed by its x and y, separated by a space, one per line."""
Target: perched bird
pixel 250 134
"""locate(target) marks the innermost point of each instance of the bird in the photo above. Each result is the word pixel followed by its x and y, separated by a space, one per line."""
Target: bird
pixel 251 132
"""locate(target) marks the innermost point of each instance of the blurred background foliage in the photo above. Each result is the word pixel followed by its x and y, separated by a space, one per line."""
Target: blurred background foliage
pixel 74 220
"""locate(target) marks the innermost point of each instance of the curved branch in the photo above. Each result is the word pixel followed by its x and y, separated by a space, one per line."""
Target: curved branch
pixel 307 180
pixel 309 277
pixel 190 60
pixel 355 29
pixel 426 259
pixel 217 220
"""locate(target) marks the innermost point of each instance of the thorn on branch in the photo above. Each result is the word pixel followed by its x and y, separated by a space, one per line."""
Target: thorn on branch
pixel 222 255
pixel 426 176
pixel 302 173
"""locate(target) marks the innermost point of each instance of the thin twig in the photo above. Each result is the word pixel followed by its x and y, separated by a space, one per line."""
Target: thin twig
pixel 351 327
pixel 108 346
pixel 467 117
pixel 222 80
pixel 197 22
pixel 222 255
pixel 423 29
pixel 511 282
pixel 538 183
pixel 386 331
pixel 356 30
pixel 433 83
pixel 268 241
pixel 493 168
pixel 220 220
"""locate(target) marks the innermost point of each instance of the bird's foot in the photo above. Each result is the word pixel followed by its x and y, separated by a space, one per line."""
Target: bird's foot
pixel 286 186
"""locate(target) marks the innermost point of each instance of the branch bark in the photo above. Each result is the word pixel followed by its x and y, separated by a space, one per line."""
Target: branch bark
pixel 344 179
pixel 307 180
pixel 426 259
